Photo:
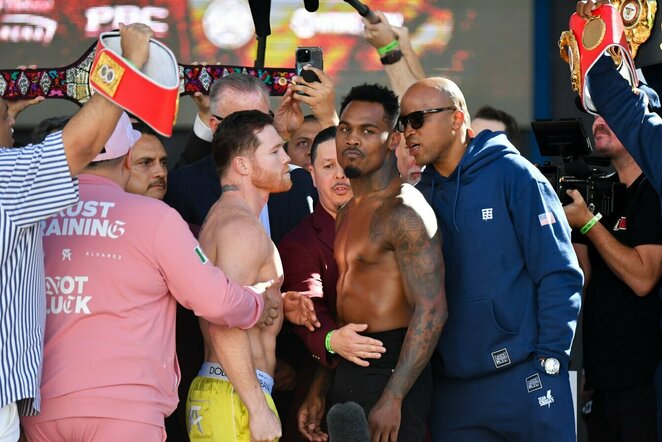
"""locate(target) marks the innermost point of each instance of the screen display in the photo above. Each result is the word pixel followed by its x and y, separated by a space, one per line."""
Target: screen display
pixel 483 45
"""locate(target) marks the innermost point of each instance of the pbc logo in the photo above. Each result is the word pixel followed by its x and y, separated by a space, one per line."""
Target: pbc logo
pixel 621 224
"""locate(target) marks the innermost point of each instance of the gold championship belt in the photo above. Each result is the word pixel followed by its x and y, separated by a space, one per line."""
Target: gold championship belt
pixel 587 41
pixel 638 17
pixel 72 82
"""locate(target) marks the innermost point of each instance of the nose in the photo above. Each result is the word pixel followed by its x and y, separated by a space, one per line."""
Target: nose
pixel 286 158
pixel 408 130
pixel 160 171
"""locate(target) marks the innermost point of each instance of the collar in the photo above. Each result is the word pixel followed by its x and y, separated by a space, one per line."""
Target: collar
pixel 325 225
pixel 90 178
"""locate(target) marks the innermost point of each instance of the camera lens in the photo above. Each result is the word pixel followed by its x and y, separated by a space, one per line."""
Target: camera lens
pixel 303 56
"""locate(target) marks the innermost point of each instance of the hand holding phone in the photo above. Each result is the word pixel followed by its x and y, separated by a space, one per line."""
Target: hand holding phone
pixel 310 55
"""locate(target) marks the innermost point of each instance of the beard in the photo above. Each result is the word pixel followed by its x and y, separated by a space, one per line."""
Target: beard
pixel 352 172
pixel 273 182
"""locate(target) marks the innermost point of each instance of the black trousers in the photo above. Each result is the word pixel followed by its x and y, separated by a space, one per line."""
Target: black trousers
pixel 364 385
pixel 623 415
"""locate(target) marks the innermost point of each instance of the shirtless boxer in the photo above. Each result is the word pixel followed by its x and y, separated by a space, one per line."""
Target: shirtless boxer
pixel 222 402
pixel 391 276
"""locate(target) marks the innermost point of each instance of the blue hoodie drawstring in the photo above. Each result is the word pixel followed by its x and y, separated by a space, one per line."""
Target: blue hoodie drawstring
pixel 457 191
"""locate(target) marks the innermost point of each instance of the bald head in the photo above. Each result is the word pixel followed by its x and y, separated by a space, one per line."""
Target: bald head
pixel 443 92
pixel 438 125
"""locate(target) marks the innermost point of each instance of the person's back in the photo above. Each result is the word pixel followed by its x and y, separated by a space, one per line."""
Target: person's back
pixel 116 264
pixel 114 241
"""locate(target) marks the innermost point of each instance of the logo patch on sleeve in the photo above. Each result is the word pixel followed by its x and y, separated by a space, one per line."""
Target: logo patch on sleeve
pixel 201 255
pixel 546 218
pixel 501 358
pixel 533 383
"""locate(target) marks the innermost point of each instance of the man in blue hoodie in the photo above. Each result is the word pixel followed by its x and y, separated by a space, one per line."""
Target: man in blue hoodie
pixel 513 283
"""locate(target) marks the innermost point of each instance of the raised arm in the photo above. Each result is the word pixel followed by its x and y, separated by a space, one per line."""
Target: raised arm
pixel 401 74
pixel 90 128
pixel 627 115
pixel 417 245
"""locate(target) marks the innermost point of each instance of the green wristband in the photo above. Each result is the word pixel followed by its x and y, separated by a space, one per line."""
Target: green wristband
pixel 593 221
pixel 327 342
pixel 388 48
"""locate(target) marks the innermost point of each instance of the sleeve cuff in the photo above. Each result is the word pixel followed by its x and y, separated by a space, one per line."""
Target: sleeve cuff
pixel 202 130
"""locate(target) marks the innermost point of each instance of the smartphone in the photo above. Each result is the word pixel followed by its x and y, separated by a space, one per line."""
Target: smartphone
pixel 311 55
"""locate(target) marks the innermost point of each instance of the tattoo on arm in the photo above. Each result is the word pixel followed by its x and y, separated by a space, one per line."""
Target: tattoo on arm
pixel 422 270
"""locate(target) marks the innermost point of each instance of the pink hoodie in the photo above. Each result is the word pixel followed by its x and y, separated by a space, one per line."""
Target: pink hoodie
pixel 116 265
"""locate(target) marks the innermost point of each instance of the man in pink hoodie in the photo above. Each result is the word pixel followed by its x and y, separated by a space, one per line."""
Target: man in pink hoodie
pixel 116 266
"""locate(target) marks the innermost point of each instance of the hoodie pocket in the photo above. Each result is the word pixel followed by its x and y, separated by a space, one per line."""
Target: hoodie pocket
pixel 474 343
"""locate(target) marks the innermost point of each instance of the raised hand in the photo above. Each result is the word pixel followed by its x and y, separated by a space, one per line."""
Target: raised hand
pixel 300 310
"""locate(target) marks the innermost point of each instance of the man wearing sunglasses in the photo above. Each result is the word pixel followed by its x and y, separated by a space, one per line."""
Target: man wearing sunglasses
pixel 512 279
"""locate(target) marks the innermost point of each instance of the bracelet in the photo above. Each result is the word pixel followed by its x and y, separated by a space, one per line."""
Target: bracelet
pixel 593 221
pixel 388 48
pixel 327 342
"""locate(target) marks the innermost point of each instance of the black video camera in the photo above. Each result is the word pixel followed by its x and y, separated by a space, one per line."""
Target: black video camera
pixel 588 174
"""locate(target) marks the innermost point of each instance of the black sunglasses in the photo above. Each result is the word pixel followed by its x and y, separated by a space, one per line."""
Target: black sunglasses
pixel 271 114
pixel 416 119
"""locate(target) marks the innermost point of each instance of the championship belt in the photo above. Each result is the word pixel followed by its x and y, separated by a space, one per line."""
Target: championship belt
pixel 150 93
pixel 638 17
pixel 72 82
pixel 587 41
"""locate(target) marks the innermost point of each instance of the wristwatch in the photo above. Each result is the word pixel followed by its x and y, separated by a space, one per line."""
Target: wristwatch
pixel 391 57
pixel 550 365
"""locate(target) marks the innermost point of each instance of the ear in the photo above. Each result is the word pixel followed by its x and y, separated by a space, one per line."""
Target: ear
pixel 126 164
pixel 458 119
pixel 241 165
pixel 312 174
pixel 395 140
pixel 213 124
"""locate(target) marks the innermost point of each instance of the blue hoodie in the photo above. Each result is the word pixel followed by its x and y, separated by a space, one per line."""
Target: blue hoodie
pixel 513 282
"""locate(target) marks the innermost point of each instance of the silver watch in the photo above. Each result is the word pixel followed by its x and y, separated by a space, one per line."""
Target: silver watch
pixel 550 365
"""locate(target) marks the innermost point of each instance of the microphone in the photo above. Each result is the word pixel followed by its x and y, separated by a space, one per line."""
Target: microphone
pixel 260 10
pixel 311 5
pixel 347 423
pixel 363 10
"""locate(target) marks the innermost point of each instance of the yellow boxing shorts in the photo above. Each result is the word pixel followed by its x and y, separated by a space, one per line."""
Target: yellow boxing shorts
pixel 215 411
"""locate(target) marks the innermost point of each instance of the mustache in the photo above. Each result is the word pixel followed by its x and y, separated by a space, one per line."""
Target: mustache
pixel 340 184
pixel 158 182
pixel 601 130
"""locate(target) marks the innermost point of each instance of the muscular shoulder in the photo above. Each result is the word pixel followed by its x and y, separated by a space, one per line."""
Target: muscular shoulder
pixel 407 212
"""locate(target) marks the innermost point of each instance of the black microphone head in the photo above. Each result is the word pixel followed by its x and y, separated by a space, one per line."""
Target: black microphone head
pixel 261 10
pixel 311 5
pixel 347 423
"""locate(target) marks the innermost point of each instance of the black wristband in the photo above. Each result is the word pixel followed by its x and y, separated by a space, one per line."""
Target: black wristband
pixel 391 57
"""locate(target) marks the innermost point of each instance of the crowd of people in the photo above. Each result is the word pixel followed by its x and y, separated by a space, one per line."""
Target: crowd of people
pixel 395 256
